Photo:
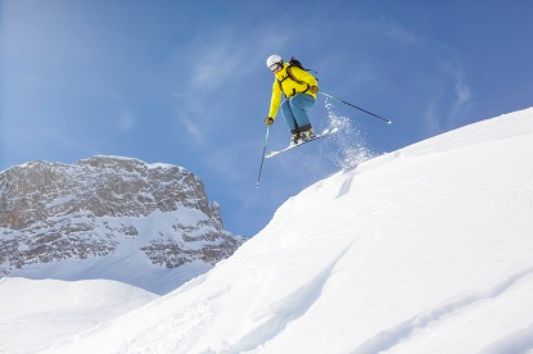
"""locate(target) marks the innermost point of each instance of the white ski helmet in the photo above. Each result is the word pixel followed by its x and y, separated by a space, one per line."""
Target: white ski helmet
pixel 273 59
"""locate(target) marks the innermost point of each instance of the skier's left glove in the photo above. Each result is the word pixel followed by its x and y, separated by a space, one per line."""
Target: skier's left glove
pixel 269 121
pixel 314 89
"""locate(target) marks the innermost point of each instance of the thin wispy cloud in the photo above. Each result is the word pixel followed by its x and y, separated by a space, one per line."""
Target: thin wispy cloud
pixel 212 69
pixel 229 54
pixel 441 75
pixel 432 118
pixel 397 33
pixel 192 129
pixel 453 102
pixel 126 122
pixel 463 97
pixel 191 112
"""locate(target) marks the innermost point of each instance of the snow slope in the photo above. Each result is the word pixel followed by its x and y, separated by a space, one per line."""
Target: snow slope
pixel 425 250
pixel 36 313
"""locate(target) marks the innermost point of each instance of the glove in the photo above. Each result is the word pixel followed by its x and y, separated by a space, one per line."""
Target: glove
pixel 269 121
pixel 314 89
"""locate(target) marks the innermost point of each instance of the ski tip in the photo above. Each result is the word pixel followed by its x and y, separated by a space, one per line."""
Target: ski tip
pixel 328 131
pixel 271 154
pixel 389 122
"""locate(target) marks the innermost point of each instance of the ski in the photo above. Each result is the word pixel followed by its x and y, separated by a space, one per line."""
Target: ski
pixel 324 134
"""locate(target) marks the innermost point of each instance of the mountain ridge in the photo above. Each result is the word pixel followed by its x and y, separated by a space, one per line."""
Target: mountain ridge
pixel 158 214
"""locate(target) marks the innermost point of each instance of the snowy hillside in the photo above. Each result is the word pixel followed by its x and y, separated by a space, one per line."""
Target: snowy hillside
pixel 425 250
pixel 36 313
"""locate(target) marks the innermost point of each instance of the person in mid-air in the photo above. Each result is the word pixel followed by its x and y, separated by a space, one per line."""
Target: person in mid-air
pixel 300 89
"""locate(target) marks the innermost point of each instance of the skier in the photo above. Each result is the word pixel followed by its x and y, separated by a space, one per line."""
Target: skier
pixel 300 89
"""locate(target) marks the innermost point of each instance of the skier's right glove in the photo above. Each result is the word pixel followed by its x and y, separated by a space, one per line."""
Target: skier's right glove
pixel 269 121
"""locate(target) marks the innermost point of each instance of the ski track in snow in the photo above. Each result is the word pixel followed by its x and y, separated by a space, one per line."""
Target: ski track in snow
pixel 389 338
pixel 347 184
pixel 285 311
pixel 519 342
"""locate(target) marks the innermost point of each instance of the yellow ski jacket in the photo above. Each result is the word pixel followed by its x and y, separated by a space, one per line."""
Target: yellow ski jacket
pixel 290 87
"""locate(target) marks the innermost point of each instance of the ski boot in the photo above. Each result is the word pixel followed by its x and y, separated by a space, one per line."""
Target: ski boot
pixel 307 134
pixel 295 139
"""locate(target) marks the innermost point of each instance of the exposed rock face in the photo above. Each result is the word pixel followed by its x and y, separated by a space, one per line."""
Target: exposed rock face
pixel 51 212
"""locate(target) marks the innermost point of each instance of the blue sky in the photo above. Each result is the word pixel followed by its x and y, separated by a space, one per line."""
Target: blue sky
pixel 184 82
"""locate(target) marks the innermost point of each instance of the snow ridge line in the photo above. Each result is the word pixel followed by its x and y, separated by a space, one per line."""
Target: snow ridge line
pixel 391 337
pixel 519 342
pixel 288 309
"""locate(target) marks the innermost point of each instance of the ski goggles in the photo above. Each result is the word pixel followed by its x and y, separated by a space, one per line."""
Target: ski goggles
pixel 274 67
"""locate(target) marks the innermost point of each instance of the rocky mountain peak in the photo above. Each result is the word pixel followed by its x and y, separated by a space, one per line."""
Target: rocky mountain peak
pixel 50 212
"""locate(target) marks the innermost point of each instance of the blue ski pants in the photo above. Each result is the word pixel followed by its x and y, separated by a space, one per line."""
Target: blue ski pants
pixel 294 111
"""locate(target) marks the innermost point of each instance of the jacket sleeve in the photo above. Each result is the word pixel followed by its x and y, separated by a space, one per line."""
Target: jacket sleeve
pixel 275 99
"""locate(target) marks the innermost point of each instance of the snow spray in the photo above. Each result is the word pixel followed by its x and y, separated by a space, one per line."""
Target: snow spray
pixel 348 147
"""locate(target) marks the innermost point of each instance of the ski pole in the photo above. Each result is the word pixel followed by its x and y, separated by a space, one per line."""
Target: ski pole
pixel 388 121
pixel 263 158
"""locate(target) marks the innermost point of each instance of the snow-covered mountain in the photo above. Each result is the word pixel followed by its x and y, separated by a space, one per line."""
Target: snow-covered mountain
pixel 149 225
pixel 425 250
